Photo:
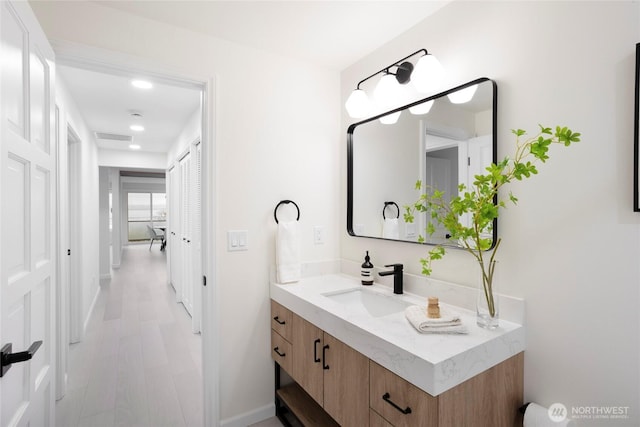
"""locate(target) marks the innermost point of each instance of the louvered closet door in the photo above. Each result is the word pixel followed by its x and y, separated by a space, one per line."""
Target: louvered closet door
pixel 186 225
pixel 27 213
pixel 173 200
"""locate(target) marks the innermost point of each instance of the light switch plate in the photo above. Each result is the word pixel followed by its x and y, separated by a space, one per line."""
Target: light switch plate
pixel 237 240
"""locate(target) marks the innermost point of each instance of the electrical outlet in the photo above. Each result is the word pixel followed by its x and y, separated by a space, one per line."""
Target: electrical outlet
pixel 318 235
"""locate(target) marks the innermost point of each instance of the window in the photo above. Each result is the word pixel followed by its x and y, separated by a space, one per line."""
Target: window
pixel 145 209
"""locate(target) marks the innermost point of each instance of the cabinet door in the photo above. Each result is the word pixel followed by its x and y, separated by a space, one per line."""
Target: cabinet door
pixel 307 360
pixel 399 402
pixel 346 383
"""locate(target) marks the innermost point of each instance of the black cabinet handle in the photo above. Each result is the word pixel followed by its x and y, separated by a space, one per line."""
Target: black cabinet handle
pixel 282 322
pixel 7 358
pixel 279 354
pixel 316 359
pixel 324 357
pixel 387 398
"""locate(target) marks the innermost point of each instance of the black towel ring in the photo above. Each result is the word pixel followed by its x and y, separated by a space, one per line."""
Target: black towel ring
pixel 385 207
pixel 286 202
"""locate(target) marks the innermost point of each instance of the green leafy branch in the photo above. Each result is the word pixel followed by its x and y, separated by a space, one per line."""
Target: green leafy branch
pixel 482 204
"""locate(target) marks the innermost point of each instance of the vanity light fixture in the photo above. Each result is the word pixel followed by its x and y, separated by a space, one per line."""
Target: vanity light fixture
pixel 463 96
pixel 420 109
pixel 426 76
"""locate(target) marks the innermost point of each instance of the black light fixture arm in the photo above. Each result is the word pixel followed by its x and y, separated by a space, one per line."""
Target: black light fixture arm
pixel 399 63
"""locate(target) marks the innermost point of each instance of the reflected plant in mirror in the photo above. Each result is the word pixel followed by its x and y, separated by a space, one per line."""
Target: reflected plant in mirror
pixel 469 215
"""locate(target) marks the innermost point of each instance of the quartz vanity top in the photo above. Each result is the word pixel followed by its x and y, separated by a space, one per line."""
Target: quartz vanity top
pixel 432 362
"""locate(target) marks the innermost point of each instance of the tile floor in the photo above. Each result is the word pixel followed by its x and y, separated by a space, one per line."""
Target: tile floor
pixel 139 364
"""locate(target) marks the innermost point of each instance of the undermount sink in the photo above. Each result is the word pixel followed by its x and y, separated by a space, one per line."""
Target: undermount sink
pixel 364 301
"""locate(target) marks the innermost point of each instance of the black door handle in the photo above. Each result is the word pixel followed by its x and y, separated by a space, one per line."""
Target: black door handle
pixel 316 359
pixel 278 352
pixel 7 358
pixel 387 398
pixel 324 357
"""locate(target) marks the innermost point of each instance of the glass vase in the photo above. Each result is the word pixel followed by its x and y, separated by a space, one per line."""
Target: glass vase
pixel 487 302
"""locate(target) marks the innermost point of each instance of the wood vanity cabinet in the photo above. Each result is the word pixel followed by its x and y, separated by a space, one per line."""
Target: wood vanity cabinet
pixel 333 378
pixel 489 399
pixel 334 374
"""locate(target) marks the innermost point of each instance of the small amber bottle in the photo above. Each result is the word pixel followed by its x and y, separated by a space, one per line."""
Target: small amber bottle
pixel 433 309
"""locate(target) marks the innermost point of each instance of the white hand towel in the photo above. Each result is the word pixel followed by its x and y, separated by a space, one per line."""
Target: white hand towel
pixel 448 323
pixel 288 252
pixel 390 228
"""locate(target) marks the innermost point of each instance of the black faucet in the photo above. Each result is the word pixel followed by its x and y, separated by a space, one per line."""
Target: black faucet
pixel 397 277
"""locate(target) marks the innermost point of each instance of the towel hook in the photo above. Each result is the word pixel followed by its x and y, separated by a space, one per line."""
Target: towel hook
pixel 286 202
pixel 385 207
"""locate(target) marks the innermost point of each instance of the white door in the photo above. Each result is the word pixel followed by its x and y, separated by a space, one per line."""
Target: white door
pixel 27 213
pixel 196 238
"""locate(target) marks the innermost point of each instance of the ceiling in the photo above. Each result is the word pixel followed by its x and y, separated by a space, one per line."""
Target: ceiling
pixel 330 34
pixel 106 102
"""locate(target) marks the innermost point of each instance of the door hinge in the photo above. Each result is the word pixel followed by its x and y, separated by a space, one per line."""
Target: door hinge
pixel 204 280
pixel 468 161
pixel 68 251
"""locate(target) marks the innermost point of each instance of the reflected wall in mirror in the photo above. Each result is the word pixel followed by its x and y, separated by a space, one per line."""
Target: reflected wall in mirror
pixel 445 141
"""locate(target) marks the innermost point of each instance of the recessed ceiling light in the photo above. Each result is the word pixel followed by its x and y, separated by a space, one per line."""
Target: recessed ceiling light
pixel 137 128
pixel 141 84
pixel 134 146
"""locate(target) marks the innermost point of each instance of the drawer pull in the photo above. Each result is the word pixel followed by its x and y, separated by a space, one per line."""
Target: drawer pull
pixel 316 359
pixel 387 398
pixel 282 322
pixel 278 352
pixel 324 357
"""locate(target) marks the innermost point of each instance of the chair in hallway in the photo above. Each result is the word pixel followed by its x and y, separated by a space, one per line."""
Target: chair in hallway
pixel 153 235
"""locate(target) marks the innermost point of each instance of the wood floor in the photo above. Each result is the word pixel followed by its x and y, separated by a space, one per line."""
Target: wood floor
pixel 139 364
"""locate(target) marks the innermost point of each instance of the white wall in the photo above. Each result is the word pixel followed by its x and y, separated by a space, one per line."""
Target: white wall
pixel 131 159
pixel 277 137
pixel 105 234
pixel 191 132
pixel 571 246
pixel 88 252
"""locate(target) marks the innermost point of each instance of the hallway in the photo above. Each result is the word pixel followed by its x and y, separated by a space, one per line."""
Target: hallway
pixel 139 364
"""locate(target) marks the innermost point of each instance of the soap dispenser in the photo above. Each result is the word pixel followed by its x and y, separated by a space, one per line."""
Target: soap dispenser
pixel 367 271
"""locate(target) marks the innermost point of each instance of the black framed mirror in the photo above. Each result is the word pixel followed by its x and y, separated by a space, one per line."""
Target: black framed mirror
pixel 636 136
pixel 441 140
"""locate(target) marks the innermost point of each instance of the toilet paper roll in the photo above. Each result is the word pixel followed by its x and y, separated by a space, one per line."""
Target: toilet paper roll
pixel 538 416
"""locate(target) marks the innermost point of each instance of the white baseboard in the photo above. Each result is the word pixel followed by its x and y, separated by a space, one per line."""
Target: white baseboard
pixel 251 417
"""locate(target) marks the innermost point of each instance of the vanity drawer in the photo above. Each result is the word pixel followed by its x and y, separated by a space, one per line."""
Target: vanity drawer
pixel 281 351
pixel 375 420
pixel 281 320
pixel 400 402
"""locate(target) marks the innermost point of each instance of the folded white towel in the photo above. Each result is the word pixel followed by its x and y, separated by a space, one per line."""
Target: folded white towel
pixel 449 322
pixel 288 252
pixel 390 228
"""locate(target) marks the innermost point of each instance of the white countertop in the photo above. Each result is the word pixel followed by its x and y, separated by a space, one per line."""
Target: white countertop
pixel 433 362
